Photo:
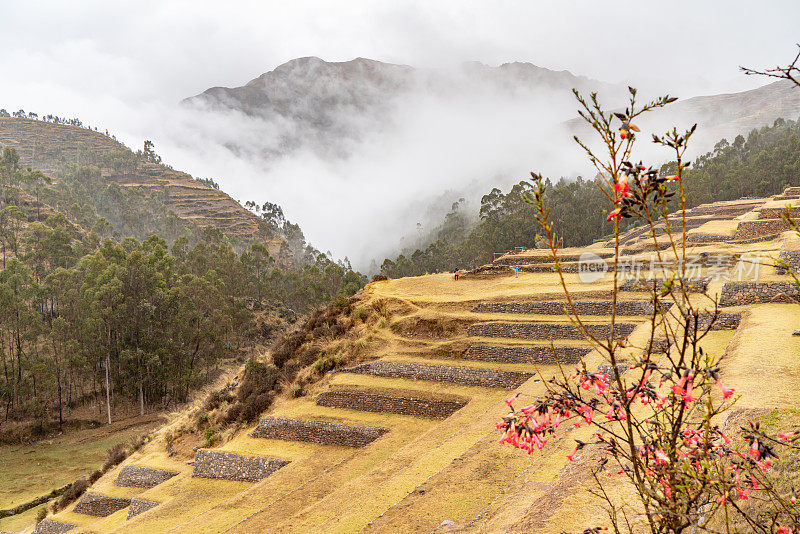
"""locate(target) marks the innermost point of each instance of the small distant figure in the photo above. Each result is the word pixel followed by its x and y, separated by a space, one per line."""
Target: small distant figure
pixel 516 271
pixel 455 274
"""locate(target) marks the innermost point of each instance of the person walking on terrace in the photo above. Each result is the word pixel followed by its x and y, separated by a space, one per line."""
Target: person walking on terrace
pixel 455 274
pixel 516 271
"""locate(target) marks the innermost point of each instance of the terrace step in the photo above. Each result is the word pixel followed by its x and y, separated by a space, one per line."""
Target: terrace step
pixel 630 307
pixel 232 466
pixel 49 526
pixel 526 354
pixel 776 213
pixel 545 258
pixel 317 432
pixel 465 376
pixel 139 506
pixel 759 228
pixel 723 321
pixel 693 285
pixel 97 505
pixel 397 402
pixel 744 293
pixel 545 330
pixel 133 476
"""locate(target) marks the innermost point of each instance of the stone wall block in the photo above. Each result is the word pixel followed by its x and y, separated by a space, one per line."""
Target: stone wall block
pixel 232 466
pixel 317 432
pixel 406 403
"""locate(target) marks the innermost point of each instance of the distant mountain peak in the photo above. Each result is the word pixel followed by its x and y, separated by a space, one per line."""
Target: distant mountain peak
pixel 328 104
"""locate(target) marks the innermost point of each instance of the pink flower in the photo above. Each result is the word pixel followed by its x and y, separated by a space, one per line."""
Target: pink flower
pixel 616 214
pixel 726 392
pixel 572 454
pixel 754 452
pixel 687 397
pixel 785 436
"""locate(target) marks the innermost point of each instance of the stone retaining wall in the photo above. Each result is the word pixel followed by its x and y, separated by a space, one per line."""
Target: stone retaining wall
pixel 99 505
pixel 659 345
pixel 761 239
pixel 743 293
pixel 465 376
pixel 676 223
pixel 545 330
pixel 547 258
pixel 694 285
pixel 548 268
pixel 776 213
pixel 647 246
pixel 707 238
pixel 792 258
pixel 759 228
pixel 525 354
pixel 139 506
pixel 405 403
pixel 317 432
pixel 790 192
pixel 231 466
pixel 142 477
pixel 729 210
pixel 609 369
pixel 48 526
pixel 724 321
pixel 625 307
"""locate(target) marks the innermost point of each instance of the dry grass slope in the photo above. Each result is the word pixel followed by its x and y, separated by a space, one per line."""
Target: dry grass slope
pixel 424 471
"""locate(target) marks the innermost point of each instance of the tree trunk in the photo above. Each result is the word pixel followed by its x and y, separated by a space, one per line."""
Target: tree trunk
pixel 108 386
pixel 141 400
pixel 60 403
pixel 108 389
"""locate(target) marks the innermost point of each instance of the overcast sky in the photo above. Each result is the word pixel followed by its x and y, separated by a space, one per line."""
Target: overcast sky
pixel 60 54
pixel 120 65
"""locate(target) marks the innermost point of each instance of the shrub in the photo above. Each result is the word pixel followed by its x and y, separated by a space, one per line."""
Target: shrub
pixel 360 314
pixel 342 302
pixel 216 398
pixel 379 278
pixel 41 514
pixel 285 347
pixel 201 419
pixel 75 490
pixel 254 406
pixel 95 476
pixel 209 437
pixel 325 364
pixel 309 355
pixel 255 393
pixel 115 455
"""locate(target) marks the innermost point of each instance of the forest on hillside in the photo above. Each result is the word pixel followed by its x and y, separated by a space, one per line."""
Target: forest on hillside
pixel 762 164
pixel 90 314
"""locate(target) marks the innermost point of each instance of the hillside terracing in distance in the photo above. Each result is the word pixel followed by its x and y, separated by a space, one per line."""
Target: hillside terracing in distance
pixel 49 147
pixel 405 441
